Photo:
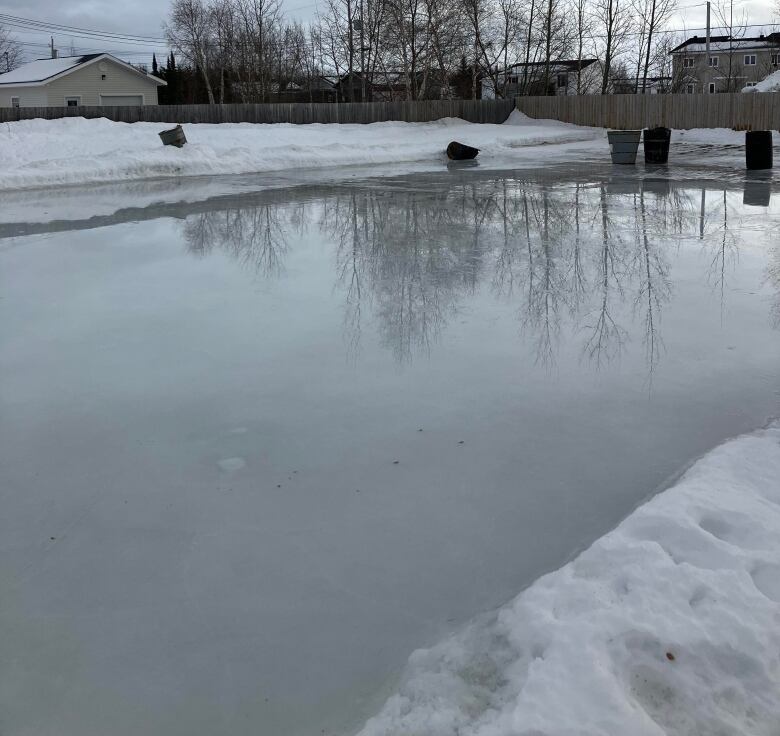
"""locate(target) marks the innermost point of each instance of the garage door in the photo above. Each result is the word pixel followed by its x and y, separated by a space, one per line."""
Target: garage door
pixel 116 100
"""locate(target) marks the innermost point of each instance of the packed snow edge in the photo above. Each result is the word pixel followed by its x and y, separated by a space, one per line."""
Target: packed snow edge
pixel 669 624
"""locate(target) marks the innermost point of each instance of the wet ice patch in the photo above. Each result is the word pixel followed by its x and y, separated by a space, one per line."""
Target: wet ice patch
pixel 666 625
pixel 231 464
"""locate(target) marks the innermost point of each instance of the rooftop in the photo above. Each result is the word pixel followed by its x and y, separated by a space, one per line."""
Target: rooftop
pixel 42 70
pixel 728 43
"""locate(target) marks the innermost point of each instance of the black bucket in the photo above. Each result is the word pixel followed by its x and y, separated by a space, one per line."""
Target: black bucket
pixel 657 145
pixel 461 152
pixel 758 149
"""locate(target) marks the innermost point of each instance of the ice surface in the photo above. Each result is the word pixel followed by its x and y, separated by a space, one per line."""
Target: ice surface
pixel 666 625
pixel 230 464
pixel 583 334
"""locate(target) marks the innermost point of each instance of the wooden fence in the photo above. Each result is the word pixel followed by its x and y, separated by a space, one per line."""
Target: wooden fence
pixel 475 111
pixel 751 111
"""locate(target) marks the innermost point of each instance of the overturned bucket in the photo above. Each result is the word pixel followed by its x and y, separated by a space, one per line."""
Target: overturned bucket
pixel 173 137
pixel 623 145
pixel 461 152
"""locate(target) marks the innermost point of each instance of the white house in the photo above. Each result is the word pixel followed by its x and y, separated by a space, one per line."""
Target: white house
pixel 93 79
pixel 733 63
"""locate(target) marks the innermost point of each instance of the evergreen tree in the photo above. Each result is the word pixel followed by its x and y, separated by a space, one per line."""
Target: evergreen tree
pixel 154 64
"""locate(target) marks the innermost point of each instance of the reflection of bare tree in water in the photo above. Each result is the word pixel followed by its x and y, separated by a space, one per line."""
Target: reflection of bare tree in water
pixel 563 255
pixel 654 287
pixel 578 279
pixel 413 255
pixel 605 336
pixel 724 250
pixel 547 283
pixel 254 235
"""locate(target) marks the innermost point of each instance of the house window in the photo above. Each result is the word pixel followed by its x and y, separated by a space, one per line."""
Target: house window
pixel 712 88
pixel 775 59
pixel 14 102
pixel 750 59
pixel 72 101
pixel 751 84
pixel 690 89
pixel 512 80
pixel 713 61
pixel 563 80
pixel 688 62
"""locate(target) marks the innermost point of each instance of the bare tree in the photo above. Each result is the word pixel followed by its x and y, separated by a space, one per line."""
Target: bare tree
pixel 613 21
pixel 583 30
pixel 260 22
pixel 339 41
pixel 651 16
pixel 10 51
pixel 553 33
pixel 189 32
pixel 736 28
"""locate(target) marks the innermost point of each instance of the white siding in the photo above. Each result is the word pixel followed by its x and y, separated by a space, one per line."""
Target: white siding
pixel 28 96
pixel 86 82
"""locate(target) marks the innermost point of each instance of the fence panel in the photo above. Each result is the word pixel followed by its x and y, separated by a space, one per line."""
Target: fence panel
pixel 753 111
pixel 480 111
pixel 476 111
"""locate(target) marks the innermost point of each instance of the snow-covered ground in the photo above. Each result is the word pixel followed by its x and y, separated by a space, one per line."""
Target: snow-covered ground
pixel 35 153
pixel 670 624
pixel 119 165
pixel 44 153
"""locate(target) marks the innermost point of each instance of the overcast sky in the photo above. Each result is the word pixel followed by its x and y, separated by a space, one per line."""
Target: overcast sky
pixel 145 18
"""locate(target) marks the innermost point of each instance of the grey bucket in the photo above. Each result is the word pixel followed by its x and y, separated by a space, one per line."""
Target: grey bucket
pixel 173 137
pixel 623 145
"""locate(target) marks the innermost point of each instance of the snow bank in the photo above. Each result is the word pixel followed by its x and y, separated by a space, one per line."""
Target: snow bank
pixel 709 137
pixel 768 84
pixel 670 624
pixel 37 153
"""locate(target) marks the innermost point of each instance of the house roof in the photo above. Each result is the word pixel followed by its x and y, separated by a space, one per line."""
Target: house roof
pixel 568 64
pixel 697 44
pixel 43 71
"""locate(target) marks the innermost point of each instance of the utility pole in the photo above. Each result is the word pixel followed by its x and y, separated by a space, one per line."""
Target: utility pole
pixel 709 68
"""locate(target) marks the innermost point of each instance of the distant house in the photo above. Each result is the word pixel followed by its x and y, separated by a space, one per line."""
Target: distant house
pixel 656 85
pixel 733 63
pixel 389 86
pixel 316 89
pixel 563 77
pixel 71 81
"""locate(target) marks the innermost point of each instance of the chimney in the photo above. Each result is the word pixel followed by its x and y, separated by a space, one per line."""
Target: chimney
pixel 54 51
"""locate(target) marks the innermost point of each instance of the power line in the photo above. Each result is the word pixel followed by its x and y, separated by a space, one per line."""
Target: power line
pixel 45 27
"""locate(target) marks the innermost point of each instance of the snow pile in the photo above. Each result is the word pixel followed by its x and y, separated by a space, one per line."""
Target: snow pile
pixel 767 84
pixel 77 151
pixel 670 624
